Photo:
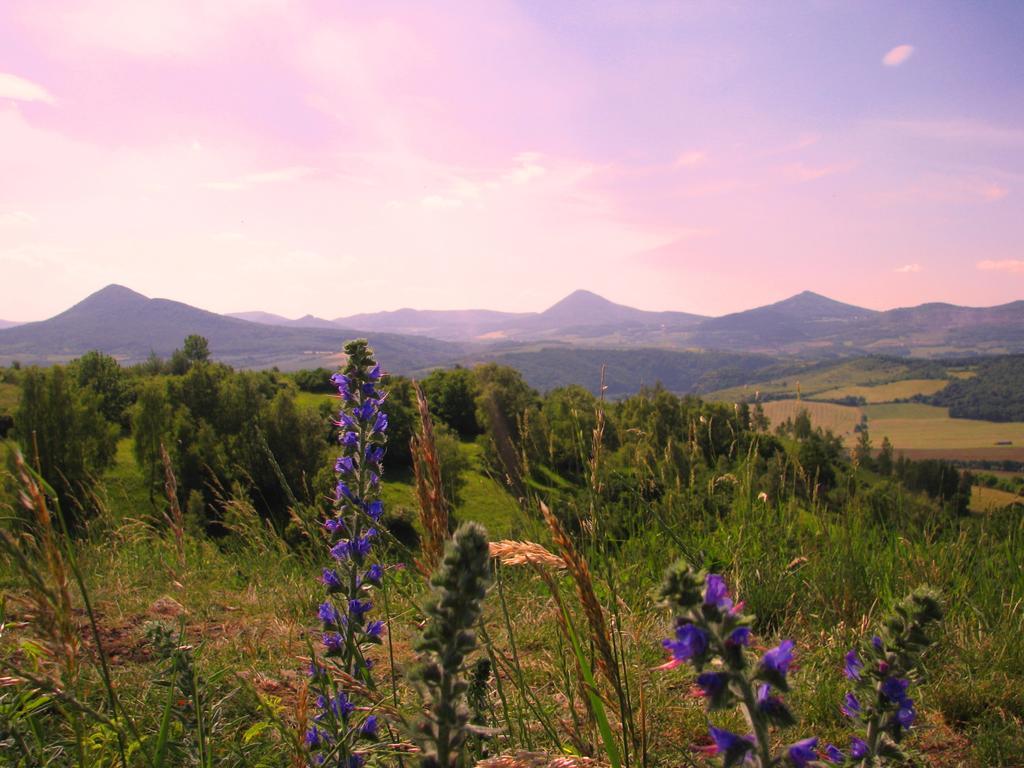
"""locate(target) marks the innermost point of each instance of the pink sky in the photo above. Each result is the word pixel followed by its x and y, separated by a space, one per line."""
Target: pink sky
pixel 333 158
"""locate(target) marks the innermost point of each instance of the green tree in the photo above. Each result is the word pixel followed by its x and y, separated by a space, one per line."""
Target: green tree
pixel 196 348
pixel 452 397
pixel 152 420
pixel 61 426
pixel 103 375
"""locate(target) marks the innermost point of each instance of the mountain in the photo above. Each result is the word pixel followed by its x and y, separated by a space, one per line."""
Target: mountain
pixel 8 324
pixel 268 318
pixel 130 326
pixel 582 316
pixel 451 324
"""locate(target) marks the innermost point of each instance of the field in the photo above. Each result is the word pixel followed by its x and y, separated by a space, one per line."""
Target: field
pixel 8 398
pixel 986 499
pixel 884 393
pixel 841 419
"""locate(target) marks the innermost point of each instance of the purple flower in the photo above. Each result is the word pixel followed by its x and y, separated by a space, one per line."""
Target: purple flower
pixel 374 373
pixel 359 608
pixel 345 464
pixel 877 642
pixel 375 509
pixel 802 752
pixel 853 666
pixel 373 574
pixel 331 580
pixel 314 737
pixel 334 524
pixel 850 706
pixel 716 592
pixel 779 658
pixel 381 423
pixel 365 411
pixel 333 642
pixel 895 689
pixel 374 628
pixel 690 641
pixel 906 715
pixel 345 421
pixel 374 454
pixel 712 683
pixel 342 550
pixel 349 439
pixel 834 754
pixel 727 741
pixel 858 748
pixel 328 614
pixel 739 636
pixel 369 727
pixel 768 704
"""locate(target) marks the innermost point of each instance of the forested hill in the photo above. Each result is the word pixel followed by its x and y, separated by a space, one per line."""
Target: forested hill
pixel 995 392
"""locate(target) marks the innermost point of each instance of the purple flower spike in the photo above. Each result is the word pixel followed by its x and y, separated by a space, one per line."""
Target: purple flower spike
pixel 712 683
pixel 369 727
pixel 906 714
pixel 727 741
pixel 895 689
pixel 739 636
pixel 850 706
pixel 802 752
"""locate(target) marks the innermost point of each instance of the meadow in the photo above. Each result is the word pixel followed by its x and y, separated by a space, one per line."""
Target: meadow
pixel 190 637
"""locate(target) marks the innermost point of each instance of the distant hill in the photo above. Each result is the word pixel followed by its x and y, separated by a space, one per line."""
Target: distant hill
pixel 130 326
pixel 8 324
pixel 453 324
pixel 268 318
pixel 626 370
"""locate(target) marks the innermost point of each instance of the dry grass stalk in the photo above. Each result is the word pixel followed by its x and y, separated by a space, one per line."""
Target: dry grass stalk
pixel 580 572
pixel 429 490
pixel 175 520
pixel 51 602
pixel 510 552
pixel 524 759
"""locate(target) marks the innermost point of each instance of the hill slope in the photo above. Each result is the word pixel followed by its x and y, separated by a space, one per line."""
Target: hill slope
pixel 130 326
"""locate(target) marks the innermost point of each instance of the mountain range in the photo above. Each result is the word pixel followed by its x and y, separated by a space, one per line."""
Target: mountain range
pixel 583 329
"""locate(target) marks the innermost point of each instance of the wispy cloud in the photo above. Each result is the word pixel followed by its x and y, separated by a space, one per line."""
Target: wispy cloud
pixel 20 89
pixel 16 219
pixel 907 269
pixel 690 159
pixel 277 176
pixel 1015 266
pixel 802 172
pixel 898 55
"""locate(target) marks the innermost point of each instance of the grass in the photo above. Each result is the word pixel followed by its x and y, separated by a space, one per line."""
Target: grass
pixel 885 393
pixel 883 411
pixel 9 396
pixel 946 433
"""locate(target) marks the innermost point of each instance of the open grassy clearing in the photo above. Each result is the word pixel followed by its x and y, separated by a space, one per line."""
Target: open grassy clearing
pixel 904 411
pixel 8 397
pixel 946 433
pixel 885 393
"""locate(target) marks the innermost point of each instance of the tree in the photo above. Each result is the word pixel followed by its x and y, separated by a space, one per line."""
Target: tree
pixel 862 452
pixel 151 426
pixel 885 459
pixel 103 375
pixel 196 349
pixel 62 430
pixel 452 398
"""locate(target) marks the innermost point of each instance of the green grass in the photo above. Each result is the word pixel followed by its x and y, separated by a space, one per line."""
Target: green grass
pixel 904 411
pixel 986 499
pixel 9 396
pixel 885 393
pixel 945 433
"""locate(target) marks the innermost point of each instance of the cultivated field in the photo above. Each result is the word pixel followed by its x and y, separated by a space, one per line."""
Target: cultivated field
pixel 841 419
pixel 986 499
pixel 885 393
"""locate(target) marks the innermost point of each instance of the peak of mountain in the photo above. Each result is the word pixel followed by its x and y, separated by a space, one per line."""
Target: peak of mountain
pixel 269 318
pixel 811 305
pixel 111 296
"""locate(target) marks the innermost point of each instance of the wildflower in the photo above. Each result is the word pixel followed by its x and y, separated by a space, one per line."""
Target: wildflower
pixel 853 666
pixel 779 658
pixel 712 683
pixel 739 636
pixel 328 614
pixel 314 737
pixel 895 689
pixel 331 580
pixel 858 748
pixel 851 706
pixel 906 714
pixel 802 752
pixel 369 727
pixel 716 592
pixel 690 641
pixel 731 744
pixel 834 754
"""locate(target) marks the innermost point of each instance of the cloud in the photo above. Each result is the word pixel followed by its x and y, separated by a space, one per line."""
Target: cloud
pixel 898 55
pixel 248 180
pixel 907 269
pixel 1015 266
pixel 20 89
pixel 529 168
pixel 801 172
pixel 690 159
pixel 438 202
pixel 16 219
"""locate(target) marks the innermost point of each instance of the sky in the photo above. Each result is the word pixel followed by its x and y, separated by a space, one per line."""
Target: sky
pixel 330 158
